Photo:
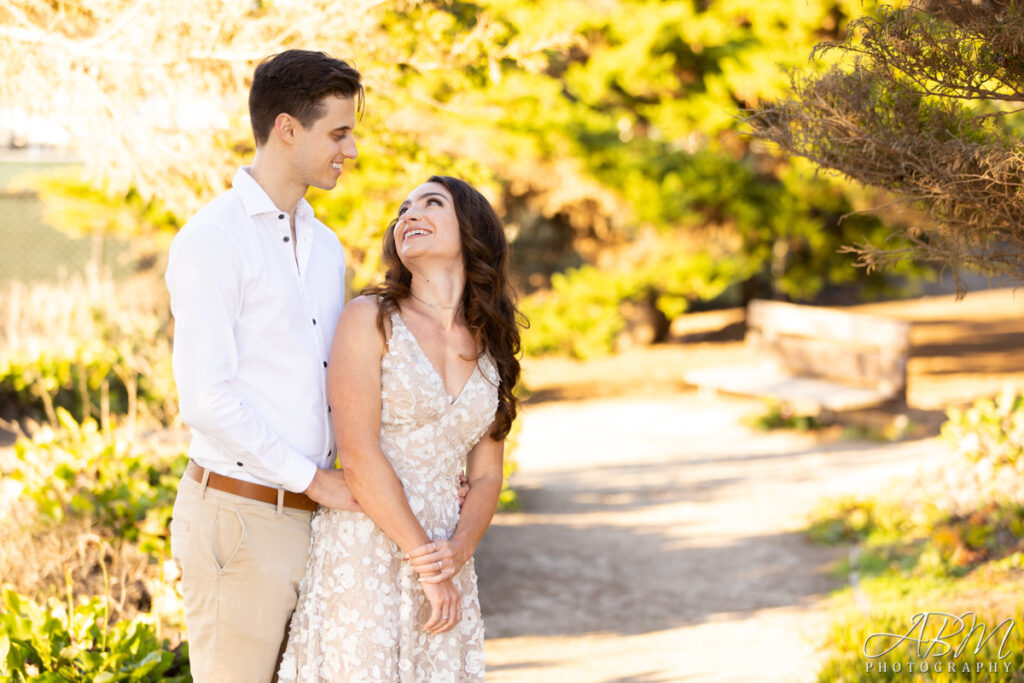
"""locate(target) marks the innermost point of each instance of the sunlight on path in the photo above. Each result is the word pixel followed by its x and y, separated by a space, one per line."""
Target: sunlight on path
pixel 660 541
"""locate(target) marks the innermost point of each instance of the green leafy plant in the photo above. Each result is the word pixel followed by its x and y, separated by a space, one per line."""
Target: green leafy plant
pixel 60 641
pixel 89 345
pixel 777 415
pixel 846 519
pixel 848 664
pixel 93 376
pixel 990 431
pixel 580 316
pixel 80 470
pixel 507 499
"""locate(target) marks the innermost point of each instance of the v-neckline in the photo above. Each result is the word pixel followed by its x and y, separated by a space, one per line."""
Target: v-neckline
pixel 452 400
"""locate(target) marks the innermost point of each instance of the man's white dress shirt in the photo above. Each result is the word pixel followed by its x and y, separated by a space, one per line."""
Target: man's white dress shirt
pixel 252 333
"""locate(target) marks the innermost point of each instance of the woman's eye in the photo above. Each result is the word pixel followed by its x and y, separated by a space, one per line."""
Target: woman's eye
pixel 434 200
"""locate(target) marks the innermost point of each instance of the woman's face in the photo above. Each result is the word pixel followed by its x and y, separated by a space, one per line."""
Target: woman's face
pixel 427 225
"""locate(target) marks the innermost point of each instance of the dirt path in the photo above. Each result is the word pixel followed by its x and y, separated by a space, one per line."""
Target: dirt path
pixel 660 542
pixel 660 538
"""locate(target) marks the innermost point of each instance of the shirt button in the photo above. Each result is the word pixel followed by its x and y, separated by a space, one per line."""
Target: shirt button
pixel 280 216
pixel 314 321
pixel 328 409
pixel 325 364
pixel 286 238
pixel 239 464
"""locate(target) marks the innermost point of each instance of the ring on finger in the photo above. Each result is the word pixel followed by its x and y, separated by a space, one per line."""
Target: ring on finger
pixel 440 567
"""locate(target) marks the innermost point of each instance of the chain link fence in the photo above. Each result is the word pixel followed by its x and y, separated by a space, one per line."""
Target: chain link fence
pixel 32 250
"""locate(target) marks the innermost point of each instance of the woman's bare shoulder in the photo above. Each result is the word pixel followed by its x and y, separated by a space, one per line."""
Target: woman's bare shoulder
pixel 359 317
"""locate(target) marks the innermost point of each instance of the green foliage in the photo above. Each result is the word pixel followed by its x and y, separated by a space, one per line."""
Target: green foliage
pixel 842 520
pixel 507 499
pixel 919 540
pixel 962 542
pixel 580 315
pixel 914 556
pixel 79 471
pixel 990 431
pixel 778 415
pixel 57 642
pixel 917 103
pixel 587 129
pixel 80 377
pixel 922 542
pixel 80 208
pixel 917 560
pixel 849 664
pixel 116 374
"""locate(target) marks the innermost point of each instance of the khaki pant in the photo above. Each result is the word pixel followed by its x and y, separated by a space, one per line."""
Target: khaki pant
pixel 241 563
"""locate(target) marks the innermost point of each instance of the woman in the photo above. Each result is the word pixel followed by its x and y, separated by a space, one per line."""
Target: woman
pixel 420 384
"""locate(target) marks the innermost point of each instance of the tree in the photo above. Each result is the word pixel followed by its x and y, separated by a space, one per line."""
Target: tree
pixel 921 104
pixel 606 133
pixel 154 94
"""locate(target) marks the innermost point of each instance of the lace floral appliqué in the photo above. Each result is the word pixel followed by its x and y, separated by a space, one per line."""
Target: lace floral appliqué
pixel 361 609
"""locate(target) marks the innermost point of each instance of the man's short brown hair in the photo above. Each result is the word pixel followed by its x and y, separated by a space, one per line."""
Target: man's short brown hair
pixel 295 82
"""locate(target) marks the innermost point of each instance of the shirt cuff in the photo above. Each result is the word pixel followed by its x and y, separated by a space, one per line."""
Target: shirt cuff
pixel 301 476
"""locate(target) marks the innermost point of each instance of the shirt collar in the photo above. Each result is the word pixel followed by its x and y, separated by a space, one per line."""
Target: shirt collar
pixel 256 200
pixel 303 210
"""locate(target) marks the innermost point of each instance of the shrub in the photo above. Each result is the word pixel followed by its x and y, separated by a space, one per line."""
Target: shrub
pixel 78 470
pixel 990 431
pixel 778 415
pixel 93 377
pixel 846 519
pixel 848 662
pixel 89 346
pixel 61 642
pixel 508 500
pixel 580 315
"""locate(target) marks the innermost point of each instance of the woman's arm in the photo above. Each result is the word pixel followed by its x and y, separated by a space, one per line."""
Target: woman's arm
pixel 354 394
pixel 484 471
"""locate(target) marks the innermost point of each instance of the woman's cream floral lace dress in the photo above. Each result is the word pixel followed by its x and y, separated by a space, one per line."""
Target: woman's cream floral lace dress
pixel 361 609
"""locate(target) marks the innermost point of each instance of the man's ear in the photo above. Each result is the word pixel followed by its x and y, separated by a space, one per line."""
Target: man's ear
pixel 284 127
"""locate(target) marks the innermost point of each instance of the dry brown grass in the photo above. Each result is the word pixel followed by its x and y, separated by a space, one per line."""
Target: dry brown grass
pixel 46 560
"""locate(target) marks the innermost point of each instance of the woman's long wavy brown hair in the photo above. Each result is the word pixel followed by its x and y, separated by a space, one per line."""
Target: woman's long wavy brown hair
pixel 488 300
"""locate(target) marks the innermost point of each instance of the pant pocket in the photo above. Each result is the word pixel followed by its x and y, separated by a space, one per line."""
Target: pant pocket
pixel 227 538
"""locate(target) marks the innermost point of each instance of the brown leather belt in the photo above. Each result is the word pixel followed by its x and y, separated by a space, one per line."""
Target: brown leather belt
pixel 246 489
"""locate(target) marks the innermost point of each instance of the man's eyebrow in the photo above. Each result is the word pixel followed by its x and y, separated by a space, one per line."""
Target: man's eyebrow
pixel 342 129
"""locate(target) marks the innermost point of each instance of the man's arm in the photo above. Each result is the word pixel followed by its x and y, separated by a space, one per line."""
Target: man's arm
pixel 330 489
pixel 203 277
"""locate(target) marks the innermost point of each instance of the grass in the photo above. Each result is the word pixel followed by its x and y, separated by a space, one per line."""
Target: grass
pixel 920 581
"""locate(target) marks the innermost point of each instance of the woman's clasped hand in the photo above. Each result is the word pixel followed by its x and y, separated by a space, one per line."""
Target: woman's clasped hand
pixel 436 563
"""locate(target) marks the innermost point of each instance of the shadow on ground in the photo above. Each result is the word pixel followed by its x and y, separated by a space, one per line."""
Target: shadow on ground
pixel 641 547
pixel 625 581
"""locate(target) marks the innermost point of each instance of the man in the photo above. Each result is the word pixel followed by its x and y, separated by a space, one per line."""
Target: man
pixel 257 284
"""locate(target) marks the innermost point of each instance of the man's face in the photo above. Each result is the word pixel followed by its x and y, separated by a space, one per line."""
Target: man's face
pixel 321 149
